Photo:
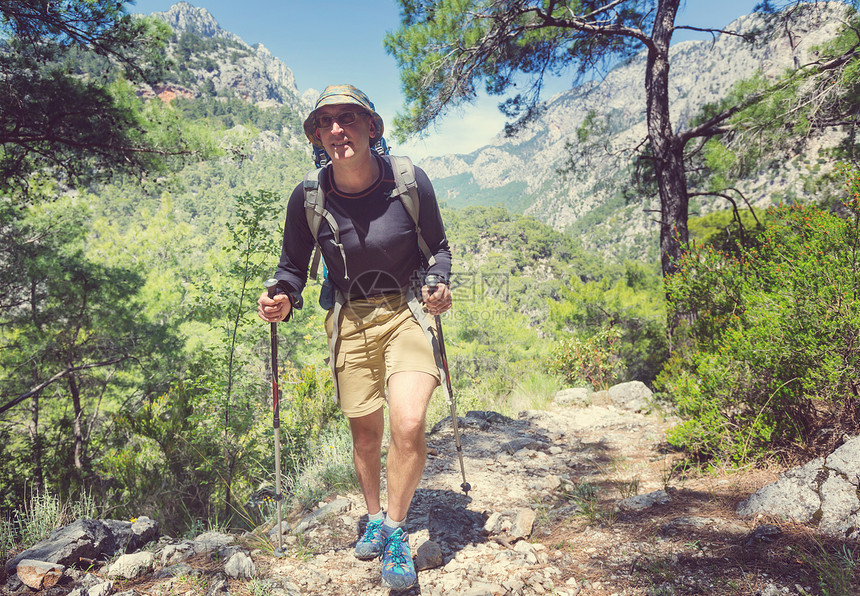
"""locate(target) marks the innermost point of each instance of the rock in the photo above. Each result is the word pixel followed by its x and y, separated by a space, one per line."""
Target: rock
pixel 634 396
pixel 176 553
pixel 527 551
pixel 462 424
pixel 793 495
pixel 39 575
pixel 488 416
pixel 515 445
pixel 132 536
pixel 309 521
pixel 82 539
pixel 274 587
pixel 483 589
pixel 494 524
pixel 428 556
pixel 823 491
pixel 523 524
pixel 100 589
pixel 642 502
pixel 219 587
pixel 240 566
pixel 93 586
pixel 551 482
pixel 131 566
pixel 273 533
pixel 577 396
pixel 174 570
pixel 762 534
pixel 144 531
pixel 211 541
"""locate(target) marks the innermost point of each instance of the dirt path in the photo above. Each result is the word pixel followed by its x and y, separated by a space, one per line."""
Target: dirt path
pixel 569 470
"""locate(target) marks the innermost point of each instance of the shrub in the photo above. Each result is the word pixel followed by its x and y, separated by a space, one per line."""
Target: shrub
pixel 775 353
pixel 588 359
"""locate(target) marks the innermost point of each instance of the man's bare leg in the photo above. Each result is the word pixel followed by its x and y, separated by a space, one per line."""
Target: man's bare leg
pixel 367 454
pixel 408 396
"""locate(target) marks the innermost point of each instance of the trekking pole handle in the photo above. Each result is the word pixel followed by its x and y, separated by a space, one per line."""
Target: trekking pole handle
pixel 432 281
pixel 271 286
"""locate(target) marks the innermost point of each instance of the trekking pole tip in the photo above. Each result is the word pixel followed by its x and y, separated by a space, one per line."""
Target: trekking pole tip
pixel 279 553
pixel 466 487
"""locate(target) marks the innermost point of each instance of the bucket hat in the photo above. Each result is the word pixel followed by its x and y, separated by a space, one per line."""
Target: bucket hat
pixel 342 95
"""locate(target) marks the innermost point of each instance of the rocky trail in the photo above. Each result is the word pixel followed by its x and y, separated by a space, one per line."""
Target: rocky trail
pixel 582 498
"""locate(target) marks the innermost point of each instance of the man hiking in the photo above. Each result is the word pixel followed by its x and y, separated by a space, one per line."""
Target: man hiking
pixel 376 252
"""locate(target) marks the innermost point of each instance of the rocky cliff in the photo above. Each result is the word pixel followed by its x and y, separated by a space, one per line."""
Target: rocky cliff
pixel 595 199
pixel 210 58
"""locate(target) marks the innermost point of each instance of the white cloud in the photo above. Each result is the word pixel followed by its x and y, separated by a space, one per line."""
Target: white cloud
pixel 463 131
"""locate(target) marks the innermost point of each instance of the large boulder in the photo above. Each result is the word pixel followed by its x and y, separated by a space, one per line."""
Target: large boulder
pixel 634 396
pixel 823 492
pixel 84 539
pixel 574 396
pixel 132 535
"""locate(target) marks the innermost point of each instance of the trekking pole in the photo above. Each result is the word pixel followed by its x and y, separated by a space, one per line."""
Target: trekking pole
pixel 432 282
pixel 271 287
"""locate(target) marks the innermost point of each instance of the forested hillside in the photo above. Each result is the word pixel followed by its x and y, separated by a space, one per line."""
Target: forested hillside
pixel 134 371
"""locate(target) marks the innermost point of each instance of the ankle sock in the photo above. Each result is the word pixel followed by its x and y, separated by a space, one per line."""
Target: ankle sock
pixel 378 516
pixel 389 525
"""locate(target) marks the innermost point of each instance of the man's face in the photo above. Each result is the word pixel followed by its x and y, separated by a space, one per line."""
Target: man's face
pixel 345 130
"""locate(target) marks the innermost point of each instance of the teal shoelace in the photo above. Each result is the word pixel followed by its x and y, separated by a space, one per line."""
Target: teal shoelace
pixel 394 547
pixel 371 530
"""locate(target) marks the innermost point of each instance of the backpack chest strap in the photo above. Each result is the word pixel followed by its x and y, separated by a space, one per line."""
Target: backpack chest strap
pixel 316 213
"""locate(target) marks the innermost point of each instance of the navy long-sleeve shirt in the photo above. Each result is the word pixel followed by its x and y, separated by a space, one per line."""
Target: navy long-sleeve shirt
pixel 378 236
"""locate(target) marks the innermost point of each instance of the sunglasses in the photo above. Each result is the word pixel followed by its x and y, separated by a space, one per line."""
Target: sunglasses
pixel 344 119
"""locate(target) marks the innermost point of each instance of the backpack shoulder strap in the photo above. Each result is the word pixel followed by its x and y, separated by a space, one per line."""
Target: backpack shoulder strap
pixel 315 211
pixel 406 189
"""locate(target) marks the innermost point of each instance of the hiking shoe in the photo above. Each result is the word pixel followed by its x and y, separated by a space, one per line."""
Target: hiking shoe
pixel 398 570
pixel 370 544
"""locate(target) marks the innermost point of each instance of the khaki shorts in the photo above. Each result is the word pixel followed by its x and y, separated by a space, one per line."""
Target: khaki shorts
pixel 377 337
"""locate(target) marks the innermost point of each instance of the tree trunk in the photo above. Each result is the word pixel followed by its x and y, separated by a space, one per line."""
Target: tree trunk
pixel 78 429
pixel 667 146
pixel 36 446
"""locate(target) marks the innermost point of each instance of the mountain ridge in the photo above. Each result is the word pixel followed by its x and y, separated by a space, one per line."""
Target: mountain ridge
pixel 701 72
pixel 255 75
pixel 595 198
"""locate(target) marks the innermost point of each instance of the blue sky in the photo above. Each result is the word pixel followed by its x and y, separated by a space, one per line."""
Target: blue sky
pixel 340 41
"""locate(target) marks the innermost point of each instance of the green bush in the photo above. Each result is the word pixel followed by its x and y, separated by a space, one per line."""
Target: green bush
pixel 589 360
pixel 633 306
pixel 774 352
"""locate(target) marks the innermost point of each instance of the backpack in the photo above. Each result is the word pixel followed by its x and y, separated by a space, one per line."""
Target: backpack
pixel 405 189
